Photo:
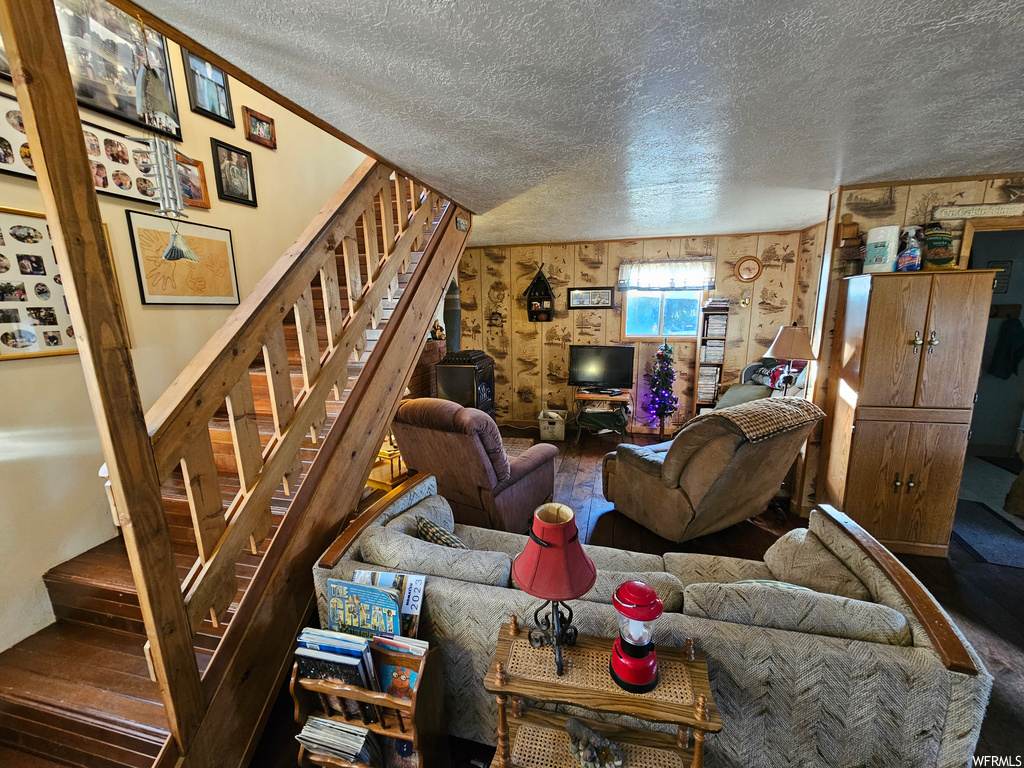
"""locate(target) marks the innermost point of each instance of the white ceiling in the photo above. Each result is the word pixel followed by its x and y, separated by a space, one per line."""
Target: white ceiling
pixel 570 120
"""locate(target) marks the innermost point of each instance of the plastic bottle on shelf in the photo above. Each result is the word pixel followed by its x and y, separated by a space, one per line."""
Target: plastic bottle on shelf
pixel 909 259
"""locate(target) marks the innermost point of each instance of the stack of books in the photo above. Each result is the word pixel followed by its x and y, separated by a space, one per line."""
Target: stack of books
pixel 713 351
pixel 707 383
pixel 342 740
pixel 717 304
pixel 715 325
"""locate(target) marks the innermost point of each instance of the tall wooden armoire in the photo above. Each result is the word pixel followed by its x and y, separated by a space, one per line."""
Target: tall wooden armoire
pixel 906 358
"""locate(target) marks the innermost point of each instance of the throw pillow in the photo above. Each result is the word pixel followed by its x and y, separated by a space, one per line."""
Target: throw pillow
pixel 797 610
pixel 434 533
pixel 432 507
pixel 799 557
pixel 668 588
pixel 774 583
pixel 397 551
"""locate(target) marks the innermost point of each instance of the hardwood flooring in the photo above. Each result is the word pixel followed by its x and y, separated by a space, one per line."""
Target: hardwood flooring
pixel 986 601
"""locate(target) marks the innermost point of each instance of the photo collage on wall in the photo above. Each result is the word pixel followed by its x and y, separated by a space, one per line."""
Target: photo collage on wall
pixel 118 164
pixel 34 316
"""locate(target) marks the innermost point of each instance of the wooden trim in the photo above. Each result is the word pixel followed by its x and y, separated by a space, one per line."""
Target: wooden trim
pixel 915 182
pixel 947 643
pixel 988 224
pixel 642 239
pixel 53 128
pixel 933 415
pixel 183 40
pixel 916 548
pixel 341 544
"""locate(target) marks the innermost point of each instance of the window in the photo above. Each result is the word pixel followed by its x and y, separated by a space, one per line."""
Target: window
pixel 661 313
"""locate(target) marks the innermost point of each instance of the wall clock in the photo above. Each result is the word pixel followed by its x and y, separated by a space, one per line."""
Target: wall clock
pixel 748 269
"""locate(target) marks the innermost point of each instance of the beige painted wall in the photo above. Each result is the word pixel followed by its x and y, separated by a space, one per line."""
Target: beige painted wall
pixel 531 359
pixel 52 505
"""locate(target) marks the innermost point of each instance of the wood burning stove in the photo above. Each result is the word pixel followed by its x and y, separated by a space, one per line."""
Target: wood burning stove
pixel 466 377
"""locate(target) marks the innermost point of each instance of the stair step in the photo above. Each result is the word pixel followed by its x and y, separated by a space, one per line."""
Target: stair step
pixel 81 695
pixel 17 759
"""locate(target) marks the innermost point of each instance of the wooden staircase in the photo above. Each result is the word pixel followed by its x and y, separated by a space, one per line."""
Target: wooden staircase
pixel 249 442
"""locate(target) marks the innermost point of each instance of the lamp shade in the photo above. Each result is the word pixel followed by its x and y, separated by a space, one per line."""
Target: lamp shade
pixel 553 565
pixel 792 342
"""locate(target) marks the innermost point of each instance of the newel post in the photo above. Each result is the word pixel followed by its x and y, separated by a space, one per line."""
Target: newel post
pixel 45 95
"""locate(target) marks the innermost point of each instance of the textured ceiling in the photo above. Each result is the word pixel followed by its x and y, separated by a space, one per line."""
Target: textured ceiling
pixel 584 120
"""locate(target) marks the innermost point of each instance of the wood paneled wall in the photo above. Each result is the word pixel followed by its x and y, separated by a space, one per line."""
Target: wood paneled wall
pixel 531 360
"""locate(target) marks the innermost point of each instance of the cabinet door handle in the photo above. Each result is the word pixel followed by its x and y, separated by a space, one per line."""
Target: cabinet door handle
pixel 917 341
pixel 910 483
pixel 932 342
pixel 896 484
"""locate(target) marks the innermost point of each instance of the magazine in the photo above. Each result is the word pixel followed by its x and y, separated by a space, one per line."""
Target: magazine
pixel 409 586
pixel 362 609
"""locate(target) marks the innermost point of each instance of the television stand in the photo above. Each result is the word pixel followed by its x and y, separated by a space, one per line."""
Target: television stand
pixel 613 415
pixel 611 392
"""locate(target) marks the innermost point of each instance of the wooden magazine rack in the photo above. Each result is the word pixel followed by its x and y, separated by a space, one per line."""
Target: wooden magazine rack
pixel 419 719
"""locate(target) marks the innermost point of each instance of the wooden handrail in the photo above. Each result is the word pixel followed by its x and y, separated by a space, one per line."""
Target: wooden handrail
pixel 187 405
pixel 948 645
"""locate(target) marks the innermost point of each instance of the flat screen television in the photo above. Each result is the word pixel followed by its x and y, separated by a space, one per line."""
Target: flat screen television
pixel 601 368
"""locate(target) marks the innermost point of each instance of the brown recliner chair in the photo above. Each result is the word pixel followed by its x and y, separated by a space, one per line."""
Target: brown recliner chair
pixel 710 475
pixel 462 448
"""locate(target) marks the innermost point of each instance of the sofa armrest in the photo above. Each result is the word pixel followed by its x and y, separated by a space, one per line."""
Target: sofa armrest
pixel 703 569
pixel 533 458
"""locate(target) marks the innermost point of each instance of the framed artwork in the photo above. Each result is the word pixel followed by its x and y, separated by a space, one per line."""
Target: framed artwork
pixel 208 91
pixel 105 47
pixel 590 298
pixel 232 168
pixel 34 316
pixel 259 128
pixel 119 164
pixel 208 280
pixel 192 176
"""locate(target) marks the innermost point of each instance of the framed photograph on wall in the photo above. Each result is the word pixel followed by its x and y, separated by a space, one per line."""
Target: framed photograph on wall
pixel 34 317
pixel 119 165
pixel 259 128
pixel 208 91
pixel 104 47
pixel 232 168
pixel 192 176
pixel 210 279
pixel 591 298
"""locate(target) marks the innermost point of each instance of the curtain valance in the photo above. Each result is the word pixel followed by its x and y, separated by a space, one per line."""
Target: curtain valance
pixel 696 274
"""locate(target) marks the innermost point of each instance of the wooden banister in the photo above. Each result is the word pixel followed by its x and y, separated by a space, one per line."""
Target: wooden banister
pixel 947 643
pixel 194 396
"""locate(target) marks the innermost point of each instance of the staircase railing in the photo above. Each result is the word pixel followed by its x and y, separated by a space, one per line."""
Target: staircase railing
pixel 219 375
pixel 384 213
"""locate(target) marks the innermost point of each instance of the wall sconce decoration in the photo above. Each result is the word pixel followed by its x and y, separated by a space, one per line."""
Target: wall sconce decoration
pixel 540 299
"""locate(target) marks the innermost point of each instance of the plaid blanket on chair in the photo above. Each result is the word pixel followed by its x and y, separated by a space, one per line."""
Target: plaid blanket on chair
pixel 760 419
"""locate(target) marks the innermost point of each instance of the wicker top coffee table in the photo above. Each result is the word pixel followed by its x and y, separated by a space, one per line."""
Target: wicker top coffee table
pixel 537 738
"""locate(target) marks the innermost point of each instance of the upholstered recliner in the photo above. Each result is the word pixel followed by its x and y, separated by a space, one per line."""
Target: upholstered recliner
pixel 462 448
pixel 719 469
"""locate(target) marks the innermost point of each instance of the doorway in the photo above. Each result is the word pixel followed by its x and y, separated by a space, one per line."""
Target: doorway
pixel 997 426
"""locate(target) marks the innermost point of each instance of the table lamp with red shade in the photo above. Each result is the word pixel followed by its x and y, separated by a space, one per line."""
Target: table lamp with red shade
pixel 554 567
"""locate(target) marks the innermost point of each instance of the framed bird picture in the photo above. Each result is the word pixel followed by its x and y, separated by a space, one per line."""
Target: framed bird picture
pixel 179 262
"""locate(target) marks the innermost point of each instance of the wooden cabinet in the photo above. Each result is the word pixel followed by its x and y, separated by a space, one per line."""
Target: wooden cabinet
pixel 905 364
pixel 923 338
pixel 903 480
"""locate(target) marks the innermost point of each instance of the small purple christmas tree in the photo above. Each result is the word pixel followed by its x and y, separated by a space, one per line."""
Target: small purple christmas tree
pixel 662 403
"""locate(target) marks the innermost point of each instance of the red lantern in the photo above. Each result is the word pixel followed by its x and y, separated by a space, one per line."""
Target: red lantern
pixel 634 664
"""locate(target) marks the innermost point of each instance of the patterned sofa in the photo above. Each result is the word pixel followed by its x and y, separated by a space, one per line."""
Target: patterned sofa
pixel 804 678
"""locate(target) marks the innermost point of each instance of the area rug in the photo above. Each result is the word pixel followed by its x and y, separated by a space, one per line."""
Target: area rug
pixel 987 536
pixel 514 446
pixel 1009 463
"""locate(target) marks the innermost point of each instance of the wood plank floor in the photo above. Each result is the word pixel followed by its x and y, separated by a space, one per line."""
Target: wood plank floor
pixel 986 601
